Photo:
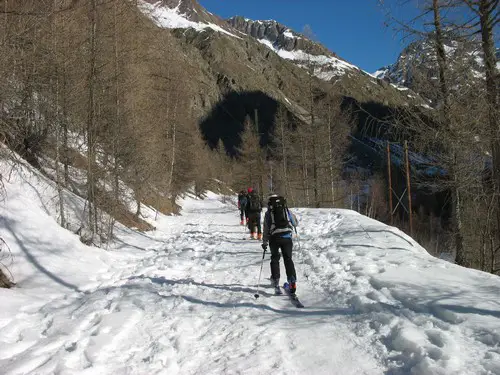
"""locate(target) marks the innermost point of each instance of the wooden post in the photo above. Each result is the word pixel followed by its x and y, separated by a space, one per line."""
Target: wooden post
pixel 408 184
pixel 389 173
pixel 256 112
pixel 271 182
pixel 351 198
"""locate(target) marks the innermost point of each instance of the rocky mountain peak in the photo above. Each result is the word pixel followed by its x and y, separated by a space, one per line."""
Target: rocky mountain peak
pixel 465 59
pixel 294 46
pixel 278 34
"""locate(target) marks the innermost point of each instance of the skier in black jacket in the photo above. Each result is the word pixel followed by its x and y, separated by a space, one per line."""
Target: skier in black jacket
pixel 278 224
pixel 254 209
pixel 242 206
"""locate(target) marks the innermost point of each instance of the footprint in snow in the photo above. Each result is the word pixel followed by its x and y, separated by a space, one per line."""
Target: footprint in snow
pixel 436 338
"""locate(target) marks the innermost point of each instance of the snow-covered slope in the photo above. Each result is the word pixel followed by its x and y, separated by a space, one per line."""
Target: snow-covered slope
pixel 182 14
pixel 296 47
pixel 179 300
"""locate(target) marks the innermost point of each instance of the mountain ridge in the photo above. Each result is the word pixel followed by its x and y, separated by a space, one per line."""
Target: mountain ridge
pixel 465 62
pixel 242 52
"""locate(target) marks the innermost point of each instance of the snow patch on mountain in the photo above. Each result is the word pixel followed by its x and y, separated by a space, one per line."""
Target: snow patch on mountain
pixel 380 73
pixel 400 88
pixel 325 67
pixel 172 18
pixel 289 34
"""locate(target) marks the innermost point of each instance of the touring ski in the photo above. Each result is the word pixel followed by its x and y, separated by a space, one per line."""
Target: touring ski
pixel 293 297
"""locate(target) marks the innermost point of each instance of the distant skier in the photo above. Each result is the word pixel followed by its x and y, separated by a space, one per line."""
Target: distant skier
pixel 278 224
pixel 242 206
pixel 253 212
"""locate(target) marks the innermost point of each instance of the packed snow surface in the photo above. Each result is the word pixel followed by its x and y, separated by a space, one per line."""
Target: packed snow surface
pixel 179 300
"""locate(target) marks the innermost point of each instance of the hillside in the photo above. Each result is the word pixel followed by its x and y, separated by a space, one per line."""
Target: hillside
pixel 164 97
pixel 235 56
pixel 180 299
pixel 159 73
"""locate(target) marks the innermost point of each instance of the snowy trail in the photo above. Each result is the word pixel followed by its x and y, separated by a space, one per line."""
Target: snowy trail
pixel 185 307
pixel 180 301
pixel 218 326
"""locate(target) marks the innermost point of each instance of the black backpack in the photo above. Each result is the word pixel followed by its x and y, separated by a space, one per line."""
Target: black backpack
pixel 279 213
pixel 254 203
pixel 242 198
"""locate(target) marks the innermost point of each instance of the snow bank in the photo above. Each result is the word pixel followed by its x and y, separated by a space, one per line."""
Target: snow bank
pixel 24 182
pixel 48 258
pixel 424 315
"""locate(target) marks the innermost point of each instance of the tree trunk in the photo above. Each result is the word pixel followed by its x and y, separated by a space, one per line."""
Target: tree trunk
pixel 92 117
pixel 172 156
pixel 116 125
pixel 305 181
pixel 56 86
pixel 460 258
pixel 285 159
pixel 64 107
pixel 317 203
pixel 486 18
pixel 330 161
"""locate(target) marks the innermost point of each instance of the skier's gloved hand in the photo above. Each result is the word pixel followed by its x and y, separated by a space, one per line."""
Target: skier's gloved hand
pixel 264 246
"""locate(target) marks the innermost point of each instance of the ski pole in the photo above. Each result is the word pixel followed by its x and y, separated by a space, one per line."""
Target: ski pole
pixel 256 295
pixel 294 227
pixel 300 249
pixel 298 238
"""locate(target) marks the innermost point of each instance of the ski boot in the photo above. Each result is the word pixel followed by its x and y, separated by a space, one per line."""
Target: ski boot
pixel 292 285
pixel 276 285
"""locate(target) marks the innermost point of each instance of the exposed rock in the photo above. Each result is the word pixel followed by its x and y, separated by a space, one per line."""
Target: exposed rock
pixel 279 35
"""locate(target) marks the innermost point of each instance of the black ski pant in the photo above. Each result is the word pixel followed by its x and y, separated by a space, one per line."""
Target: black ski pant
pixel 254 221
pixel 286 246
pixel 242 214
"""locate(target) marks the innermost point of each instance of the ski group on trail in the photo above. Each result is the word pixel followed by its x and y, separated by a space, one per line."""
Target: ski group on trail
pixel 279 224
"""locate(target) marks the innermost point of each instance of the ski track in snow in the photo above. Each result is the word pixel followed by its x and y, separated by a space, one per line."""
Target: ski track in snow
pixel 185 307
pixel 376 303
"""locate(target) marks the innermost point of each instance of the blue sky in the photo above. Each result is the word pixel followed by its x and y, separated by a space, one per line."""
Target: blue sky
pixel 354 29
